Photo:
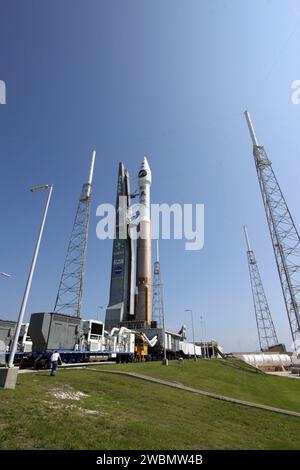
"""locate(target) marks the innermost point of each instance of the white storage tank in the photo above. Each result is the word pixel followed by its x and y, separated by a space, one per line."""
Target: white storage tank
pixel 267 360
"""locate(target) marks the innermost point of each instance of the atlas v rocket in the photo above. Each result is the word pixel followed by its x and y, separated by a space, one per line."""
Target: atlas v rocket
pixel 143 304
pixel 125 305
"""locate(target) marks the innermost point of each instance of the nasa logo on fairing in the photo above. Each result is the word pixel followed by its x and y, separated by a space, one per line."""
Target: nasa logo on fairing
pixel 2 92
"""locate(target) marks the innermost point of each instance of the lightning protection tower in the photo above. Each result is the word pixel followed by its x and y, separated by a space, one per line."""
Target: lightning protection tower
pixel 68 300
pixel 265 326
pixel 157 300
pixel 284 235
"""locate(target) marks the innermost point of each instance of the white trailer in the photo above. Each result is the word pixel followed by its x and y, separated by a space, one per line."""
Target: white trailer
pixel 92 338
pixel 189 349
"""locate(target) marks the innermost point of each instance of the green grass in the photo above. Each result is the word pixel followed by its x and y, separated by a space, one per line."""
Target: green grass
pixel 134 414
pixel 229 377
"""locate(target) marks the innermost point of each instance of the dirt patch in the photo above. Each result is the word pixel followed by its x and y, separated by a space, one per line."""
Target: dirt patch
pixel 64 406
pixel 88 412
pixel 67 394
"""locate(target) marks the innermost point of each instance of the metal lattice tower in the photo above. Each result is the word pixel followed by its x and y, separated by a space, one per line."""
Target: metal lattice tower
pixel 157 296
pixel 265 326
pixel 284 235
pixel 69 296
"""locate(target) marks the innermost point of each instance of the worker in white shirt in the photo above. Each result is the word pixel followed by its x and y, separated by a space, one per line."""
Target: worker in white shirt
pixel 55 359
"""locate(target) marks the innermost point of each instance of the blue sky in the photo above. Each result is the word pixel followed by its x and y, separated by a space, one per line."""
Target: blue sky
pixel 169 80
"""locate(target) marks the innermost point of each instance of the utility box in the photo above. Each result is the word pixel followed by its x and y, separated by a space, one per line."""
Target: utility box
pixel 54 331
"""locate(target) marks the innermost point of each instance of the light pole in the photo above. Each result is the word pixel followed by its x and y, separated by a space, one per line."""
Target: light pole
pixel 202 336
pixel 165 359
pixel 189 310
pixel 203 333
pixel 100 308
pixel 5 274
pixel 29 280
pixel 206 341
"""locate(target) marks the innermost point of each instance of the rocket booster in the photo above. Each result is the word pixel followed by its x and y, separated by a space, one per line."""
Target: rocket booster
pixel 143 310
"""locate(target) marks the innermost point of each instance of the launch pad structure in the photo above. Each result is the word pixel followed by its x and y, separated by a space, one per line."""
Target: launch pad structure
pixel 284 234
pixel 266 331
pixel 158 295
pixel 70 291
pixel 121 298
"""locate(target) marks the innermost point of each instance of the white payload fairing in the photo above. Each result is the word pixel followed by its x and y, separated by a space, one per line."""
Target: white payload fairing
pixel 143 305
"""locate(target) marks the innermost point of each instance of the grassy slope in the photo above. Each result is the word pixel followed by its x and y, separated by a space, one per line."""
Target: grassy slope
pixel 132 414
pixel 231 377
